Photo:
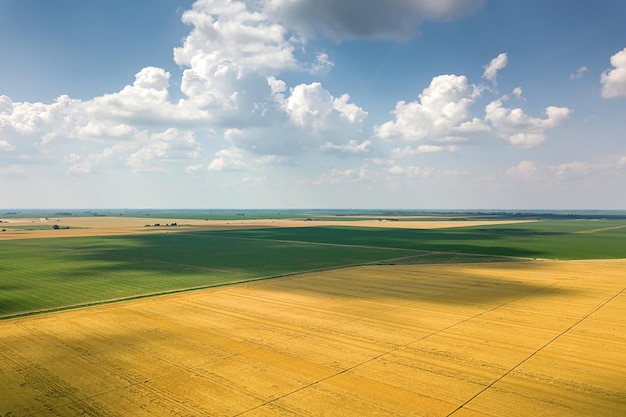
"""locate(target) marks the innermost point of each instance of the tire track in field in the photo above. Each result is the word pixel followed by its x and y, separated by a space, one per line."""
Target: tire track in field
pixel 577 322
pixel 602 229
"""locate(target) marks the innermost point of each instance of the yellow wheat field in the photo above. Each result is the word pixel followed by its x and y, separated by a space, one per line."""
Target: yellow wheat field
pixel 506 339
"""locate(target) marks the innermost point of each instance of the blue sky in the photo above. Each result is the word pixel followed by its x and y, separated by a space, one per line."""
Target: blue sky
pixel 307 104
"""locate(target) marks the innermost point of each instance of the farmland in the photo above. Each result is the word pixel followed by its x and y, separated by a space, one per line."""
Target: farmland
pixel 537 338
pixel 345 315
pixel 91 269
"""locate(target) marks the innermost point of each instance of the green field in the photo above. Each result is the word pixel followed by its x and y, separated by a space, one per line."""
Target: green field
pixel 49 273
pixel 40 274
pixel 553 239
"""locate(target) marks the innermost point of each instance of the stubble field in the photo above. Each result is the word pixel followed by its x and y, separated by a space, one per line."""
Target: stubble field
pixel 539 338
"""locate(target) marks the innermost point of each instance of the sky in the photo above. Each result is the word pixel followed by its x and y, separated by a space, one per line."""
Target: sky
pixel 400 104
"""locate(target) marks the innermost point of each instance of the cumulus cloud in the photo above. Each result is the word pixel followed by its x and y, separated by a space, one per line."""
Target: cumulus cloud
pixel 614 80
pixel 231 50
pixel 442 109
pixel 310 105
pixel 172 144
pixel 523 170
pixel 579 73
pixel 231 159
pixel 23 118
pixel 145 102
pixel 495 65
pixel 228 37
pixel 116 115
pixel 520 129
pixel 351 19
pixel 518 92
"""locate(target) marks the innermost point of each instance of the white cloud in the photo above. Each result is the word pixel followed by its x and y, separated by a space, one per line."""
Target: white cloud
pixel 231 50
pixel 442 109
pixel 229 37
pixel 614 80
pixel 353 147
pixel 410 171
pixel 45 120
pixel 409 151
pixel 575 172
pixel 349 111
pixel 518 92
pixel 145 102
pixel 277 86
pixel 523 170
pixel 6 146
pixel 350 19
pixel 124 115
pixel 230 159
pixel 171 144
pixel 86 164
pixel 192 169
pixel 351 175
pixel 495 65
pixel 574 169
pixel 310 105
pixel 520 129
pixel 579 73
pixel 322 64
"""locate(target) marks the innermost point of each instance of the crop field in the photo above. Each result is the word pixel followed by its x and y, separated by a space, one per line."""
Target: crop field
pixel 91 269
pixel 72 271
pixel 556 239
pixel 540 338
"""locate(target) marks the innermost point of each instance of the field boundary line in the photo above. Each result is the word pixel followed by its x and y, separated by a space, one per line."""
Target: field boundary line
pixel 577 322
pixel 602 229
